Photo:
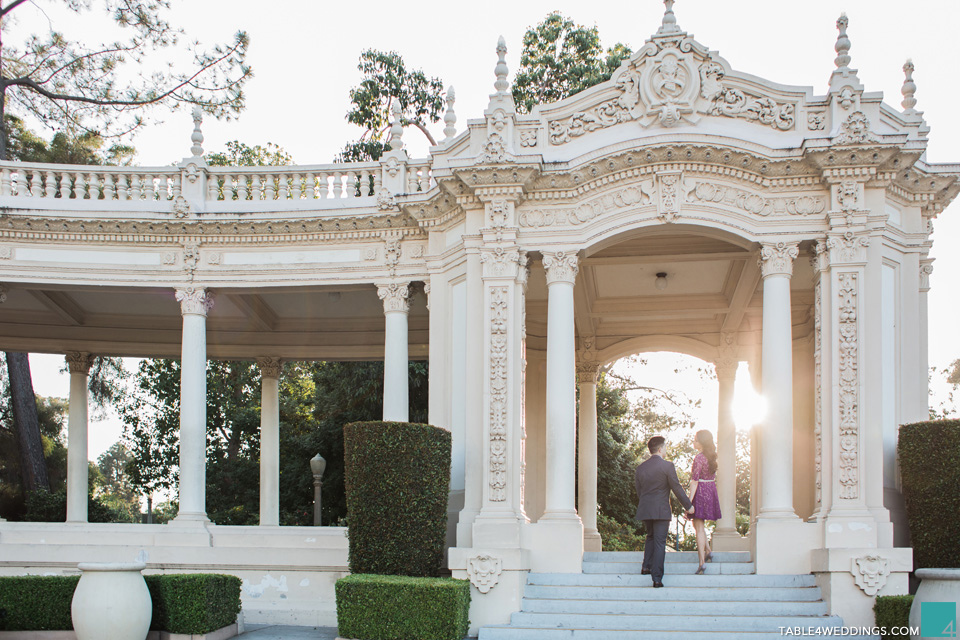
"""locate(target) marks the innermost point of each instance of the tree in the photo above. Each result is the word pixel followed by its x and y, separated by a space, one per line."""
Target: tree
pixel 559 59
pixel 385 81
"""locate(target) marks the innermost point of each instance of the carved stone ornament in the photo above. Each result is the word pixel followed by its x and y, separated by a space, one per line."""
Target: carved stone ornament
pixel 816 120
pixel 191 256
pixel 214 258
pixel 395 296
pixel 856 130
pixel 848 195
pixel 79 362
pixel 494 151
pixel 755 203
pixel 926 270
pixel 870 573
pixel 587 372
pixel 848 248
pixel 3 294
pixel 528 138
pixel 192 171
pixel 817 381
pixel 668 186
pixel 734 103
pixel 499 262
pixel 849 375
pixel 484 572
pixel 777 259
pixel 6 253
pixel 386 200
pixel 391 254
pixel 269 367
pixel 181 208
pixel 499 315
pixel 560 267
pixel 194 301
pixel 727 356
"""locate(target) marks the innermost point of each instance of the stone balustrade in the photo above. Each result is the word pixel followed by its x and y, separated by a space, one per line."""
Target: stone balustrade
pixel 303 182
pixel 86 182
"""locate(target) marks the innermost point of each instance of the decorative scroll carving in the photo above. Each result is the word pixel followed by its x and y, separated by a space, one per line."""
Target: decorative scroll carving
pixel 498 392
pixel 926 270
pixel 605 115
pixel 628 197
pixel 817 380
pixel 668 188
pixel 536 218
pixel 528 138
pixel 484 572
pixel 79 362
pixel 191 257
pixel 496 261
pixel 856 130
pixel 269 367
pixel 560 267
pixel 395 296
pixel 777 259
pixel 847 248
pixel 734 103
pixel 194 300
pixel 849 387
pixel 754 203
pixel 816 120
pixel 870 573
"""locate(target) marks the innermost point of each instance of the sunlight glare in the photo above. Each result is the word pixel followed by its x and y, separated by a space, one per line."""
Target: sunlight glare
pixel 749 407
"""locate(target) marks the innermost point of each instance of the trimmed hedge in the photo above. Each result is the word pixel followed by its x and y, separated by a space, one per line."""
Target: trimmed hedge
pixel 182 603
pixel 36 603
pixel 194 603
pixel 397 477
pixel 891 612
pixel 378 607
pixel 930 471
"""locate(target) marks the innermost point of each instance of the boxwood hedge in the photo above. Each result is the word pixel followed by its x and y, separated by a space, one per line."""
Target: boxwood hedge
pixel 892 612
pixel 378 607
pixel 930 472
pixel 182 603
pixel 397 477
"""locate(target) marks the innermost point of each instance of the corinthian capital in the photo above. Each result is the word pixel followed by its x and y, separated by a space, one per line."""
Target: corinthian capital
pixel 195 301
pixel 269 367
pixel 777 259
pixel 79 362
pixel 560 267
pixel 395 296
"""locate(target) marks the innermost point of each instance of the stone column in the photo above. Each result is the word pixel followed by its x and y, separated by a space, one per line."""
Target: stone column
pixel 561 269
pixel 777 375
pixel 396 385
pixel 726 451
pixel 195 302
pixel 587 382
pixel 77 463
pixel 269 441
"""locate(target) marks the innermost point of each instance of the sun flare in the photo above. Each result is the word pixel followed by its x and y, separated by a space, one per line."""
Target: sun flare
pixel 749 407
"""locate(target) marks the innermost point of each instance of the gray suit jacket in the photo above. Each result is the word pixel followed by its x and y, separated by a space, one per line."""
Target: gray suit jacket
pixel 656 477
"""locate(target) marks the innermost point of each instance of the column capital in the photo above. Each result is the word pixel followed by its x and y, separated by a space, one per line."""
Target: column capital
pixel 847 248
pixel 79 362
pixel 195 301
pixel 587 372
pixel 561 267
pixel 726 369
pixel 269 367
pixel 777 259
pixel 395 296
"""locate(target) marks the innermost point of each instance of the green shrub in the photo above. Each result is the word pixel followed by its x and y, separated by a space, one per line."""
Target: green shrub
pixel 194 603
pixel 619 536
pixel 892 611
pixel 930 471
pixel 47 506
pixel 378 607
pixel 397 477
pixel 36 603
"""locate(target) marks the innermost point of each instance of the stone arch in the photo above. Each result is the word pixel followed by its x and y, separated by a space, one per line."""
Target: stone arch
pixel 652 343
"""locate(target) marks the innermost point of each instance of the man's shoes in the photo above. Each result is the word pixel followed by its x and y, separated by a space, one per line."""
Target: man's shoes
pixel 644 571
pixel 657 585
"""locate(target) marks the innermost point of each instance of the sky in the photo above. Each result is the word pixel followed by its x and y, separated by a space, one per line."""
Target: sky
pixel 304 56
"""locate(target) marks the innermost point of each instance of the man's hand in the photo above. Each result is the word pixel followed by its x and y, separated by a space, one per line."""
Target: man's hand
pixel 691 510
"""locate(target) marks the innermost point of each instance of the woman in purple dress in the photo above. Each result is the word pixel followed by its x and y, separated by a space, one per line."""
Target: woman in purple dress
pixel 703 492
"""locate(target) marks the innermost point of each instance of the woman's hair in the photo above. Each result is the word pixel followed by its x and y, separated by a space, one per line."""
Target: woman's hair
pixel 705 438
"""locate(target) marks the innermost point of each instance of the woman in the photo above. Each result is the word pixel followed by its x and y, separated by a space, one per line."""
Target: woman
pixel 703 492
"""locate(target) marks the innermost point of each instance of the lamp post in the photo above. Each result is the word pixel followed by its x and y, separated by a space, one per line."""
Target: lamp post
pixel 317 465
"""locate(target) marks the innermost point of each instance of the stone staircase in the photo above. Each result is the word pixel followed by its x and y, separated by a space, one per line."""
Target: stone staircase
pixel 611 600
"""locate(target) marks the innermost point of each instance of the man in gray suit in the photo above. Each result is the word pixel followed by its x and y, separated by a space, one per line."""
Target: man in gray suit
pixel 656 477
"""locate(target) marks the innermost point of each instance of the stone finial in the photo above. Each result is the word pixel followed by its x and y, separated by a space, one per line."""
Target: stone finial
pixel 669 24
pixel 501 85
pixel 197 136
pixel 843 45
pixel 450 118
pixel 396 127
pixel 909 89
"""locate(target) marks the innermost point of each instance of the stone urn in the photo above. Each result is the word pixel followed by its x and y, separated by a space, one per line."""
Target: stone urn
pixel 111 601
pixel 936 585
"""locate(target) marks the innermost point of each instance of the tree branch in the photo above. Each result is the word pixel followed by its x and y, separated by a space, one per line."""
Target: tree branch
pixel 10 7
pixel 425 132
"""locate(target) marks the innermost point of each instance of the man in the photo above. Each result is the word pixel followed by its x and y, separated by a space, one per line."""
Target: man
pixel 656 477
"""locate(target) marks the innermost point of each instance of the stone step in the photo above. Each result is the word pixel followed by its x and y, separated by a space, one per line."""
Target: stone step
pixel 504 632
pixel 672 568
pixel 636 580
pixel 678 556
pixel 686 594
pixel 742 623
pixel 674 607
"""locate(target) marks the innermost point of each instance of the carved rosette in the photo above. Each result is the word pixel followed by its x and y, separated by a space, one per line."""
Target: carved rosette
pixel 269 367
pixel 79 362
pixel 499 322
pixel 849 383
pixel 561 267
pixel 484 572
pixel 870 573
pixel 777 259
pixel 395 296
pixel 195 301
pixel 587 372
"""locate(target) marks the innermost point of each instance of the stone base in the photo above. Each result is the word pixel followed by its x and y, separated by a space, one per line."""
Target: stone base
pixel 555 545
pixel 592 541
pixel 501 593
pixel 783 545
pixel 722 541
pixel 223 633
pixel 837 573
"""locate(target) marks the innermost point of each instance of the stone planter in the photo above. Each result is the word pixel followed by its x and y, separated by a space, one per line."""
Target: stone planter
pixel 111 601
pixel 936 585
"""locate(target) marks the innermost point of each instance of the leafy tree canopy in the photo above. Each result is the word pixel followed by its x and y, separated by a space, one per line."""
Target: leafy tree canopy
pixel 559 59
pixel 239 154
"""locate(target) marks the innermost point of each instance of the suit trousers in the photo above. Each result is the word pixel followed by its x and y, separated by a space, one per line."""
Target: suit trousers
pixel 655 547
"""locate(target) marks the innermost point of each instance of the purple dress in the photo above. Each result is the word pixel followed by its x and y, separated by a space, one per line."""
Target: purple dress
pixel 706 504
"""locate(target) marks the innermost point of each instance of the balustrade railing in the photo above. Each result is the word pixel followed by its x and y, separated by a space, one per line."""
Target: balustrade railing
pixel 83 182
pixel 305 182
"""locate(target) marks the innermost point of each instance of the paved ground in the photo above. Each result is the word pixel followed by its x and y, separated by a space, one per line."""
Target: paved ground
pixel 279 632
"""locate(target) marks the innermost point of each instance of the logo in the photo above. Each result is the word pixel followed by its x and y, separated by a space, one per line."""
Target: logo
pixel 938 619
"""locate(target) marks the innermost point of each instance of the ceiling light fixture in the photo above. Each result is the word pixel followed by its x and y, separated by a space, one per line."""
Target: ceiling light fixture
pixel 661 282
